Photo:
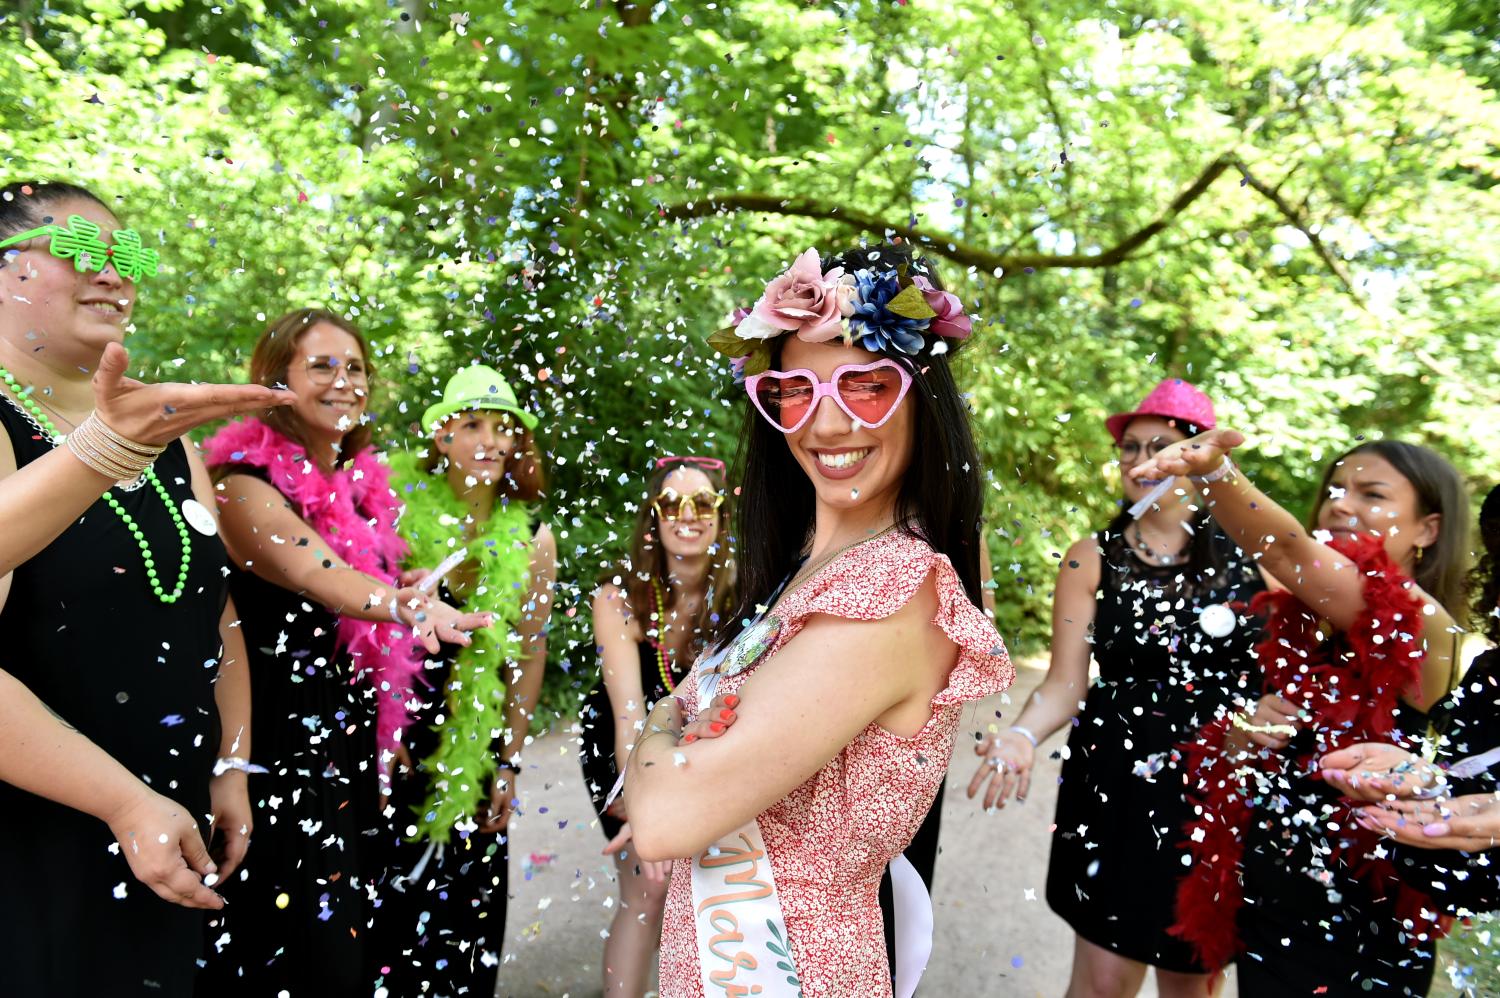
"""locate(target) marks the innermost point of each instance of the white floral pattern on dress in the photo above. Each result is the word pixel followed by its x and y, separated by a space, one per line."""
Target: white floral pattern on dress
pixel 830 839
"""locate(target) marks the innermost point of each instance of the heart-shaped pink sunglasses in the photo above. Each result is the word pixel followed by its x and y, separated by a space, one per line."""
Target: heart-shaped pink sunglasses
pixel 867 393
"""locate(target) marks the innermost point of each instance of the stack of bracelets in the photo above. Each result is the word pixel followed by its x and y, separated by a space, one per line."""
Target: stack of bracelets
pixel 108 453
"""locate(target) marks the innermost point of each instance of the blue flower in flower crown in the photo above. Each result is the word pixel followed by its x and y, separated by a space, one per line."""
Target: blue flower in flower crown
pixel 877 328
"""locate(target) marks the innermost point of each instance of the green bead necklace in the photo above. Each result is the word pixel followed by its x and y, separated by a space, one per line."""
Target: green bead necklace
pixel 147 558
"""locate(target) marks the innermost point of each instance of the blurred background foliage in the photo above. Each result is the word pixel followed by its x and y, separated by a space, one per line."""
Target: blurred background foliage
pixel 1290 203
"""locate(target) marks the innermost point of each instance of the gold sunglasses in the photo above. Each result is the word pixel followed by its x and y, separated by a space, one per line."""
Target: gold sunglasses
pixel 671 506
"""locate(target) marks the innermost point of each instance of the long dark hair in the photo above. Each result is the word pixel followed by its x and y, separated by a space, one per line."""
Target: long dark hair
pixel 647 563
pixel 1440 489
pixel 941 498
pixel 23 203
pixel 1486 577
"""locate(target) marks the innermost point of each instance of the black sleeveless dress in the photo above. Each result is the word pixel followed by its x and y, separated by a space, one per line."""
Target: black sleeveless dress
pixel 441 929
pixel 298 912
pixel 83 631
pixel 1121 806
pixel 596 747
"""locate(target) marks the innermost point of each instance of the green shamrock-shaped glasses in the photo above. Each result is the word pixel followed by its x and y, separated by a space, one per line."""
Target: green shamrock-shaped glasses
pixel 80 242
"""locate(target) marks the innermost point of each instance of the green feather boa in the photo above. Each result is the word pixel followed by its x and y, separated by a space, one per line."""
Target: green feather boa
pixel 433 525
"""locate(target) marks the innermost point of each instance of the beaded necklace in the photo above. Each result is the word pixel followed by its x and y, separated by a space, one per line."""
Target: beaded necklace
pixel 658 644
pixel 54 438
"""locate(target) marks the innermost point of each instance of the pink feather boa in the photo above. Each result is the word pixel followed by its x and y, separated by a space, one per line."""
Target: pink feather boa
pixel 354 511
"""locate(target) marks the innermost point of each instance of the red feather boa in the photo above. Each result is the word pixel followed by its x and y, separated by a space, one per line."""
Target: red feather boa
pixel 1350 684
pixel 354 510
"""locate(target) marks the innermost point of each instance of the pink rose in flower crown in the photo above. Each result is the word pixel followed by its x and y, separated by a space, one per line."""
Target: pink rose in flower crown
pixel 950 319
pixel 804 298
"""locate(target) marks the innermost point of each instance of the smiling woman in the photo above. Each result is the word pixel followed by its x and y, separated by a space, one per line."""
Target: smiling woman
pixel 472 489
pixel 844 664
pixel 108 734
pixel 309 520
pixel 653 614
pixel 1359 647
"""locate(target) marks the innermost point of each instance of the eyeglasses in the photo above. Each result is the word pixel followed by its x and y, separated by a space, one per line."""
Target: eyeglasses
pixel 79 241
pixel 672 506
pixel 326 370
pixel 1132 451
pixel 706 463
pixel 868 393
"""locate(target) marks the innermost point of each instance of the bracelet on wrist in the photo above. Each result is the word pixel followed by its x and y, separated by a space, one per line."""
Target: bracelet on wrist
pixel 108 453
pixel 234 763
pixel 1224 470
pixel 1025 733
pixel 395 609
pixel 1241 721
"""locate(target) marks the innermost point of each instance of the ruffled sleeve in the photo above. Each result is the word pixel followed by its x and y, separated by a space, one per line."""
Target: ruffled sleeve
pixel 877 579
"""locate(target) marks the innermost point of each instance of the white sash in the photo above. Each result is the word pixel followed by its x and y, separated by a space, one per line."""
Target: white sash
pixel 743 949
pixel 742 941
pixel 913 925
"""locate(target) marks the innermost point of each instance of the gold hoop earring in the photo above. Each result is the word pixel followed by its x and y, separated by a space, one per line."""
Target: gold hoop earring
pixel 1419 555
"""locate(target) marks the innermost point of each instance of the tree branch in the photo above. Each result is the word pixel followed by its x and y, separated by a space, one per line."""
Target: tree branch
pixel 1299 221
pixel 967 254
pixel 945 244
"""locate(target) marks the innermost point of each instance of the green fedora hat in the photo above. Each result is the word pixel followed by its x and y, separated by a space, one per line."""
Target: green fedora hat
pixel 476 387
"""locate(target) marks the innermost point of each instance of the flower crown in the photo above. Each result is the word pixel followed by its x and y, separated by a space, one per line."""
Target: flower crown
pixel 880 309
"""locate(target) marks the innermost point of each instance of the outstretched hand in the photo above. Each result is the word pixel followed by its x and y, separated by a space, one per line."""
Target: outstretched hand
pixel 1470 823
pixel 1377 772
pixel 1008 760
pixel 158 414
pixel 433 621
pixel 160 841
pixel 1198 455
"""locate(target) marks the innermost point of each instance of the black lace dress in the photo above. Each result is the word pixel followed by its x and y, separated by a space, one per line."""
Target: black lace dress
pixel 1121 806
pixel 82 630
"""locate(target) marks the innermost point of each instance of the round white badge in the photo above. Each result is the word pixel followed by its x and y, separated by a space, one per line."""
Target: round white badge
pixel 1217 621
pixel 199 518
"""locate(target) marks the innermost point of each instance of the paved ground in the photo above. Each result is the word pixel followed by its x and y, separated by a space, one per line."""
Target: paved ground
pixel 995 934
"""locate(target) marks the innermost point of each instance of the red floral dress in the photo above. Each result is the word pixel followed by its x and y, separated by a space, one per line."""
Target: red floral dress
pixel 830 839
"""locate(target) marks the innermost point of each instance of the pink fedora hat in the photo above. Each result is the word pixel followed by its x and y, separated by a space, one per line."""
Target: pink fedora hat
pixel 1172 399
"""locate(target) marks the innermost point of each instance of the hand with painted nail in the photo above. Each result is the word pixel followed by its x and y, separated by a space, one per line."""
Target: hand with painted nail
pixel 714 720
pixel 1377 772
pixel 1008 759
pixel 1470 823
